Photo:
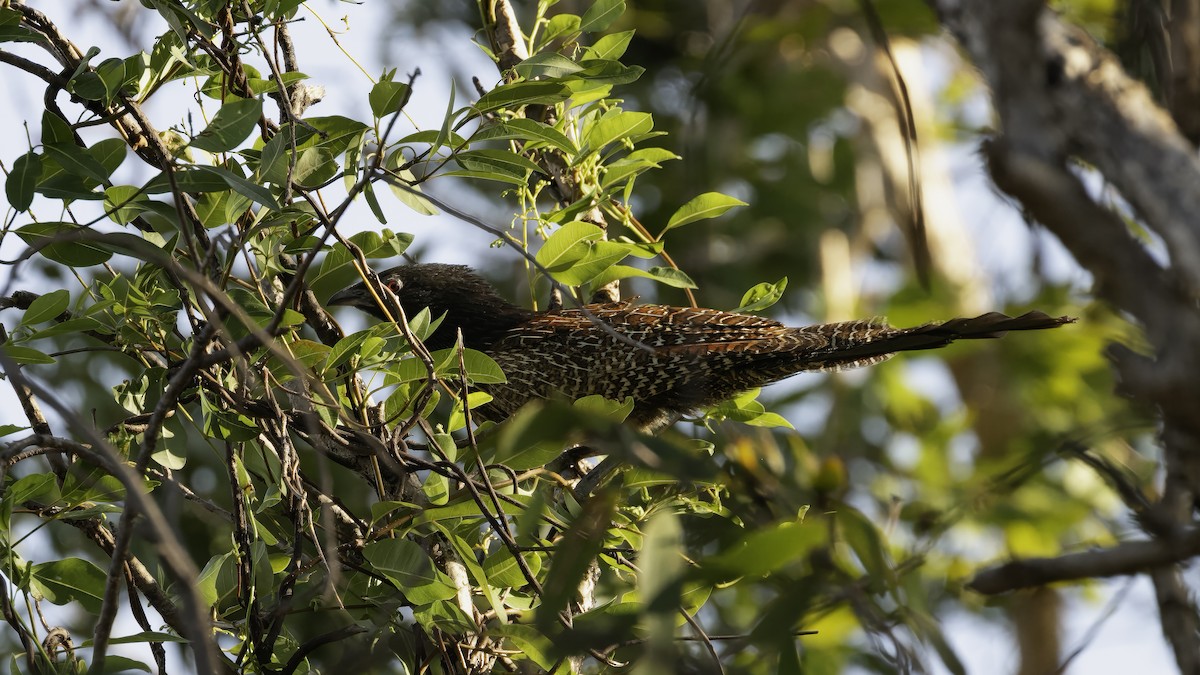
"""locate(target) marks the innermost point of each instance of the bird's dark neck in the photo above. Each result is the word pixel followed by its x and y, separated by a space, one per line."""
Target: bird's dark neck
pixel 482 322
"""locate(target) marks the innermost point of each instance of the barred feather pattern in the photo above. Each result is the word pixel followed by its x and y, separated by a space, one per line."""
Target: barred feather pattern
pixel 693 358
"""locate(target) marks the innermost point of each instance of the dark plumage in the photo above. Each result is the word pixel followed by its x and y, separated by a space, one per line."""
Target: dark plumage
pixel 698 357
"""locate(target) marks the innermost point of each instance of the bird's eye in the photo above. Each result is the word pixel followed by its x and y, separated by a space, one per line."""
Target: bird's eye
pixel 394 285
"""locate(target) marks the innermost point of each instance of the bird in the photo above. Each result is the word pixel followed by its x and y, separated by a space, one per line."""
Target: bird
pixel 672 361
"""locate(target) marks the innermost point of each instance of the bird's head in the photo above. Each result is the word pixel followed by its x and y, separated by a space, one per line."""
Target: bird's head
pixel 468 302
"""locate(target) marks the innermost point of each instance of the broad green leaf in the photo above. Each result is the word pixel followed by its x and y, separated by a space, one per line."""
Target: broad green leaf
pixel 338 272
pixel 25 355
pixel 42 486
pixel 55 130
pixel 867 544
pixel 595 404
pixel 525 130
pixel 612 46
pixel 555 255
pixel 431 136
pixel 246 188
pixel 762 296
pixel 504 572
pixel 404 187
pixel 437 488
pixel 481 369
pixel 124 203
pixel 76 161
pixel 559 25
pixel 546 64
pixel 600 15
pixel 500 162
pixel 208 582
pixel 534 436
pixel 71 579
pixel 763 551
pixel 138 638
pixel 110 152
pixel 70 326
pixel 575 254
pixel 11 30
pixel 707 205
pixel 230 126
pixel 388 97
pixel 634 163
pixel 487 175
pixel 188 179
pixel 671 277
pixel 46 307
pixel 336 133
pixel 615 125
pixel 517 94
pixel 603 71
pixel 19 187
pixel 574 553
pixel 529 643
pixel 410 569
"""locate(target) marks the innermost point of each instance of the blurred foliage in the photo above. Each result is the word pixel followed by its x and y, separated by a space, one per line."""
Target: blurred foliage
pixel 757 144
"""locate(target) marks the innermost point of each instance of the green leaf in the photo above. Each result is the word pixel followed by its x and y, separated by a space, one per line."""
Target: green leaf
pixel 762 296
pixel 76 161
pixel 633 164
pixel 437 488
pixel 707 205
pixel 615 125
pixel 523 129
pixel 533 436
pixel 612 46
pixel 671 277
pixel 576 254
pixel 34 486
pixel 556 254
pixel 19 187
pixel 600 15
pixel 868 546
pixel 11 30
pixel 46 307
pixel 55 130
pixel 70 326
pixel 71 579
pixel 25 355
pixel 763 551
pixel 481 369
pixel 603 71
pixel 230 126
pixel 517 94
pixel 124 203
pixel 240 185
pixel 546 64
pixel 208 582
pixel 409 193
pixel 138 638
pixel 388 97
pixel 559 25
pixel 574 553
pixel 503 571
pixel 407 566
pixel 6 429
pixel 54 241
pixel 529 643
pixel 500 162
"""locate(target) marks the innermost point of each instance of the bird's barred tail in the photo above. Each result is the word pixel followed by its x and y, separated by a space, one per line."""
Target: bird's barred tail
pixel 853 344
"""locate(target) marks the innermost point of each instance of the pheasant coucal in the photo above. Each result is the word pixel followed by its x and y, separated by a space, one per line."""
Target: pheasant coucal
pixel 695 357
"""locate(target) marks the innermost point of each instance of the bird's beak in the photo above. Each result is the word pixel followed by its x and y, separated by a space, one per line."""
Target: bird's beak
pixel 351 297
